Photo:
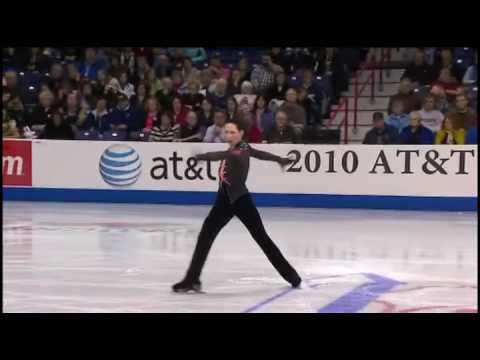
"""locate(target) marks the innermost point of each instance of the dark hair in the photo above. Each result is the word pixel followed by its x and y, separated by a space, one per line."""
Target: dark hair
pixel 377 116
pixel 255 105
pixel 220 110
pixel 240 124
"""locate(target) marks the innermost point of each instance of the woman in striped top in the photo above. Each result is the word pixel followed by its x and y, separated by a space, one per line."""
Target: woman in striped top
pixel 165 130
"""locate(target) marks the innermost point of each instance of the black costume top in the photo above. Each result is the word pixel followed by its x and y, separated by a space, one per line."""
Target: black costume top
pixel 234 167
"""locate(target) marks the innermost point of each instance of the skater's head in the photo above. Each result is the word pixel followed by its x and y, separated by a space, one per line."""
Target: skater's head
pixel 234 132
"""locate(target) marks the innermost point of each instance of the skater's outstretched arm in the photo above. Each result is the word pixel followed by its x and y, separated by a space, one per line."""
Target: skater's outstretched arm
pixel 263 155
pixel 213 156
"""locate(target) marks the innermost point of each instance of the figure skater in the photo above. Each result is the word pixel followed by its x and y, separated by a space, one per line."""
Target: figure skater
pixel 232 199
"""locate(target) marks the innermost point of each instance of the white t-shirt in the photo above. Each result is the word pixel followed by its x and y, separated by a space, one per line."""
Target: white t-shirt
pixel 432 119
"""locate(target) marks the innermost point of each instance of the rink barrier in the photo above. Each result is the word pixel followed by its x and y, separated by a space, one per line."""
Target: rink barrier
pixel 413 177
pixel 425 203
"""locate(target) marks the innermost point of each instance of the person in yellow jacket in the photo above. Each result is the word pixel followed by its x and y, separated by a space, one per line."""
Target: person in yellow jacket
pixel 447 135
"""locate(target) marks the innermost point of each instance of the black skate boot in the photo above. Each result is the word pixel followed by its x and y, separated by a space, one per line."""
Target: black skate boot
pixel 296 282
pixel 186 286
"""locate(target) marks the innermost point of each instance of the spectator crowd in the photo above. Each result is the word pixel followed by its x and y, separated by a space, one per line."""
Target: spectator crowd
pixel 171 94
pixel 188 94
pixel 435 104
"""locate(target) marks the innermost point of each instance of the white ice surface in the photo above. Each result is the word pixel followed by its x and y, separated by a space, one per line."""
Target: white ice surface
pixel 66 257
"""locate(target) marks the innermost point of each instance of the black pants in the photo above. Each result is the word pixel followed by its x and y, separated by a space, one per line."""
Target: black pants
pixel 218 217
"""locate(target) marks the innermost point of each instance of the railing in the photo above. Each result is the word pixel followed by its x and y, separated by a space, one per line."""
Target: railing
pixel 372 66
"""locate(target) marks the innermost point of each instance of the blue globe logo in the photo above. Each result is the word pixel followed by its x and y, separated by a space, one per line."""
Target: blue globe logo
pixel 120 165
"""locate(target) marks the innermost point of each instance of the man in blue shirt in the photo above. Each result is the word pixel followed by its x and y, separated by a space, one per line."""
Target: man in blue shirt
pixel 398 118
pixel 91 65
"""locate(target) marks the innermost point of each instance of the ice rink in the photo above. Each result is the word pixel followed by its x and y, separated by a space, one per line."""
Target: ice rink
pixel 67 257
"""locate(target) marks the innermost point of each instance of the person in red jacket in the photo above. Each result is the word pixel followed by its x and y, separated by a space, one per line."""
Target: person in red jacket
pixel 254 134
pixel 179 111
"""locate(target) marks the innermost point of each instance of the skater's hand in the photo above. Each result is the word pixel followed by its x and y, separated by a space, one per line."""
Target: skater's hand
pixel 284 162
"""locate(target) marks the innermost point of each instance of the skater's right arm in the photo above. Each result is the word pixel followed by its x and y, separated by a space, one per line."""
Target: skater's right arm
pixel 213 156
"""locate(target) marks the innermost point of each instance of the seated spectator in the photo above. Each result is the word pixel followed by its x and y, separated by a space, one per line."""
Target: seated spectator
pixel 217 69
pixel 206 114
pixel 420 72
pixel 189 73
pixel 252 133
pixel 431 117
pixel 471 137
pixel 232 108
pixel 37 61
pixel 96 119
pixel 309 86
pixel 179 111
pixel 162 65
pixel 246 98
pixel 164 131
pixel 141 95
pixel 126 87
pixel 190 131
pixel 449 84
pixel 71 109
pixel 73 75
pixel 462 116
pixel 263 75
pixel 124 117
pixel 234 83
pixel 445 60
pixel 416 133
pixel 179 86
pixel 381 133
pixel 399 118
pixel 280 57
pixel 177 55
pixel 295 113
pixel 449 135
pixel 55 77
pixel 219 94
pixel 152 110
pixel 9 126
pixel 85 109
pixel 43 111
pixel 262 115
pixel 471 75
pixel 57 128
pixel 205 82
pixel 281 132
pixel 89 68
pixel 312 109
pixel 16 111
pixel 197 54
pixel 245 69
pixel 279 88
pixel 154 82
pixel 441 102
pixel 166 95
pixel 193 99
pixel 214 133
pixel 12 85
pixel 127 59
pixel 406 95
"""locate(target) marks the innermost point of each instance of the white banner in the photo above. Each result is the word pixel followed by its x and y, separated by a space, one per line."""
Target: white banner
pixel 445 171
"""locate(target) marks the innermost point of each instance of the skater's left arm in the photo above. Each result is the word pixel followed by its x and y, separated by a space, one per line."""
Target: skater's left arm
pixel 263 155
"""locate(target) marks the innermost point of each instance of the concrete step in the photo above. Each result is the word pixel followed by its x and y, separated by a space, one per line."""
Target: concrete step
pixel 364 103
pixel 388 90
pixel 395 75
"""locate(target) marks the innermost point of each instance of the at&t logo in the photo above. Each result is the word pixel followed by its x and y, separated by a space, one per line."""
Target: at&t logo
pixel 120 165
